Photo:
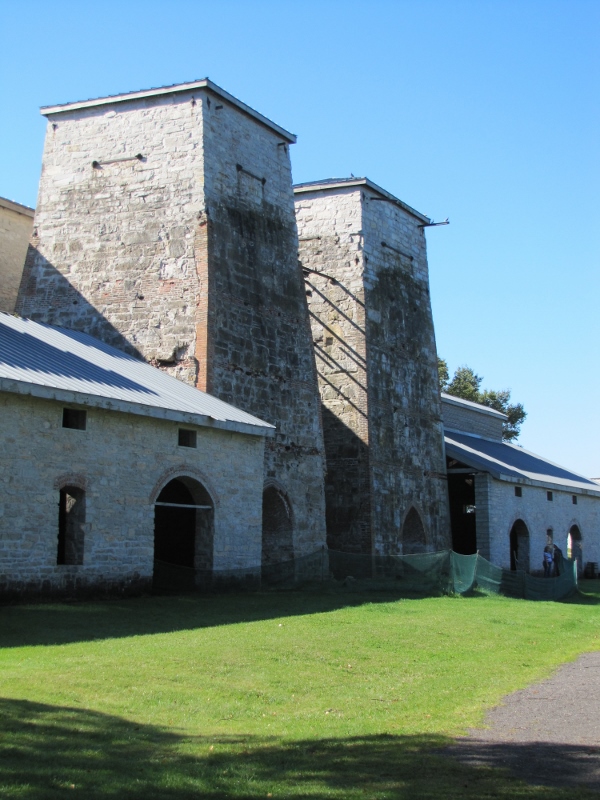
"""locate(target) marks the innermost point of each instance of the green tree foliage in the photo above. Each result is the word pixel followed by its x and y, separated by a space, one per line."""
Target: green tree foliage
pixel 466 383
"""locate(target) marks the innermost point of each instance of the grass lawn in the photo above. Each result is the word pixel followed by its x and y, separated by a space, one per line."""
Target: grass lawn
pixel 292 695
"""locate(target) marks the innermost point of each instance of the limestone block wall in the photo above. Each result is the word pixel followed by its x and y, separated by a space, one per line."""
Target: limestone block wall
pixel 16 223
pixel 377 363
pixel 122 462
pixel 114 247
pixel 472 419
pixel 540 514
pixel 186 256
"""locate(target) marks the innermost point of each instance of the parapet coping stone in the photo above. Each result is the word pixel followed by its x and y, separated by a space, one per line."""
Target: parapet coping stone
pixel 177 88
pixel 343 183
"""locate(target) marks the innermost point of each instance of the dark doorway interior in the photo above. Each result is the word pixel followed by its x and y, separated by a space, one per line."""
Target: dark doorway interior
pixel 71 518
pixel 519 546
pixel 461 492
pixel 183 525
pixel 575 547
pixel 277 528
pixel 413 534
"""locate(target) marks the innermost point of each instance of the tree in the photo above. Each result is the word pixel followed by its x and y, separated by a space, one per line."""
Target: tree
pixel 466 383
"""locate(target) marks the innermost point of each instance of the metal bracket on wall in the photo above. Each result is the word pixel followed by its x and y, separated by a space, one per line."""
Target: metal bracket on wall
pixel 99 164
pixel 400 252
pixel 433 224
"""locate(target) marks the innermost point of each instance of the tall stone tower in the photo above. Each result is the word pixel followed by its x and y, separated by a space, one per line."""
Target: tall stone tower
pixel 165 226
pixel 364 257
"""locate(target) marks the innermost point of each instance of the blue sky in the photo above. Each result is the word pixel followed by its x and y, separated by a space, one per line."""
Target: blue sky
pixel 483 111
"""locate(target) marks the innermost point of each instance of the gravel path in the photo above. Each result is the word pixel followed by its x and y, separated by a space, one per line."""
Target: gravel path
pixel 548 733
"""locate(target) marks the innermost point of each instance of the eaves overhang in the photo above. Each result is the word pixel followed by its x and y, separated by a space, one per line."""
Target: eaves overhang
pixel 139 409
pixel 178 88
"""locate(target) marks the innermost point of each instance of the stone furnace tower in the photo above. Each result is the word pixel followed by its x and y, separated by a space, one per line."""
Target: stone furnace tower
pixel 165 227
pixel 365 263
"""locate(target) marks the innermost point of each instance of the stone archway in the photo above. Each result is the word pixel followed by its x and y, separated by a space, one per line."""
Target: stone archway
pixel 414 539
pixel 277 527
pixel 519 546
pixel 575 547
pixel 184 524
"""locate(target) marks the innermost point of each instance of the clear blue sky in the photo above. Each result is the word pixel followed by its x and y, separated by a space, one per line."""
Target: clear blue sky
pixel 484 111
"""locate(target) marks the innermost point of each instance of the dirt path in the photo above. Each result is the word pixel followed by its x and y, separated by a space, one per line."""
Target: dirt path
pixel 548 733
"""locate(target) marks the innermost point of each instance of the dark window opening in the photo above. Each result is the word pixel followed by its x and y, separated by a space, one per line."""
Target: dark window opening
pixel 518 491
pixel 519 546
pixel 187 438
pixel 414 539
pixel 277 528
pixel 74 418
pixel 71 519
pixel 328 341
pixel 574 498
pixel 549 495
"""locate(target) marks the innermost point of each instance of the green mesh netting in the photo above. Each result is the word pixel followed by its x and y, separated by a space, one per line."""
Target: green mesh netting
pixel 420 575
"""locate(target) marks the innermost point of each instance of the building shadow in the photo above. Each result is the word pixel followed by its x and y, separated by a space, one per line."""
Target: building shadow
pixel 51 749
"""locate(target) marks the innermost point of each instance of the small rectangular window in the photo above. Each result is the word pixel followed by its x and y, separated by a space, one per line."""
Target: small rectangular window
pixel 518 491
pixel 187 438
pixel 574 499
pixel 549 496
pixel 74 418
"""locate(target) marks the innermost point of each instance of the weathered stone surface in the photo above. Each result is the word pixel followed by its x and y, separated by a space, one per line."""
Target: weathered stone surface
pixel 186 256
pixel 122 462
pixel 16 223
pixel 376 357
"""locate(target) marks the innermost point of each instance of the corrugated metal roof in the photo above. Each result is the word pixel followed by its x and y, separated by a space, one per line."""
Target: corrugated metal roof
pixel 46 361
pixel 509 462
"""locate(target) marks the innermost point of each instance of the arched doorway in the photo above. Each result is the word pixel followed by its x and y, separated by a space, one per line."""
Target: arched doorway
pixel 277 528
pixel 519 546
pixel 184 525
pixel 413 534
pixel 575 547
pixel 71 519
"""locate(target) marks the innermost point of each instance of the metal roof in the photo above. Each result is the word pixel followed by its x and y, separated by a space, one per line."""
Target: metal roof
pixel 71 367
pixel 511 463
pixel 342 183
pixel 19 208
pixel 176 88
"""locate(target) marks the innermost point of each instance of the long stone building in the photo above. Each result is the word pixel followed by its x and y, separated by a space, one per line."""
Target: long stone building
pixel 16 224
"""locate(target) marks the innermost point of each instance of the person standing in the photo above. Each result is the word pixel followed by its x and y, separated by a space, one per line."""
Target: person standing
pixel 548 551
pixel 558 559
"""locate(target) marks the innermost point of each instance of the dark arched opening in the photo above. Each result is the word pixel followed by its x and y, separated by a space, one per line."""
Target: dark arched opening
pixel 184 525
pixel 413 534
pixel 71 519
pixel 277 528
pixel 519 546
pixel 575 547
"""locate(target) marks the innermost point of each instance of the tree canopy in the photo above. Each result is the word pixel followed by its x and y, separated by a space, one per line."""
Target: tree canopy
pixel 466 383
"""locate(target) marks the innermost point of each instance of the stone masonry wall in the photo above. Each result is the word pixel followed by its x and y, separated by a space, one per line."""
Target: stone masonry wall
pixel 187 257
pixel 377 362
pixel 463 418
pixel 407 439
pixel 122 461
pixel 541 514
pixel 330 242
pixel 15 230
pixel 113 251
pixel 258 335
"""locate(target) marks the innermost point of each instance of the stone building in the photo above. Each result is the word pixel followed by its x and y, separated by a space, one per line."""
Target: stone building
pixel 506 502
pixel 165 227
pixel 363 253
pixel 108 464
pixel 16 223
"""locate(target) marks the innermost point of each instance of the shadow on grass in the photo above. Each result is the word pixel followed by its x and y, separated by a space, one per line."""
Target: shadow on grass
pixel 47 750
pixel 63 623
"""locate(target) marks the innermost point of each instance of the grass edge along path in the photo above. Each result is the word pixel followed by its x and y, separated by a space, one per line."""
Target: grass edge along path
pixel 247 696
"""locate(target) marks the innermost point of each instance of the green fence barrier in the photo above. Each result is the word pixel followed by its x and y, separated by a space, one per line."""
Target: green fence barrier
pixel 419 575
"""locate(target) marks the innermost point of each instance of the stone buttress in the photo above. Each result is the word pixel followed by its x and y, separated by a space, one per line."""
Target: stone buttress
pixel 363 253
pixel 165 227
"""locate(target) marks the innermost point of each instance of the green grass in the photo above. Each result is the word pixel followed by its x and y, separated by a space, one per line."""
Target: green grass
pixel 287 695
